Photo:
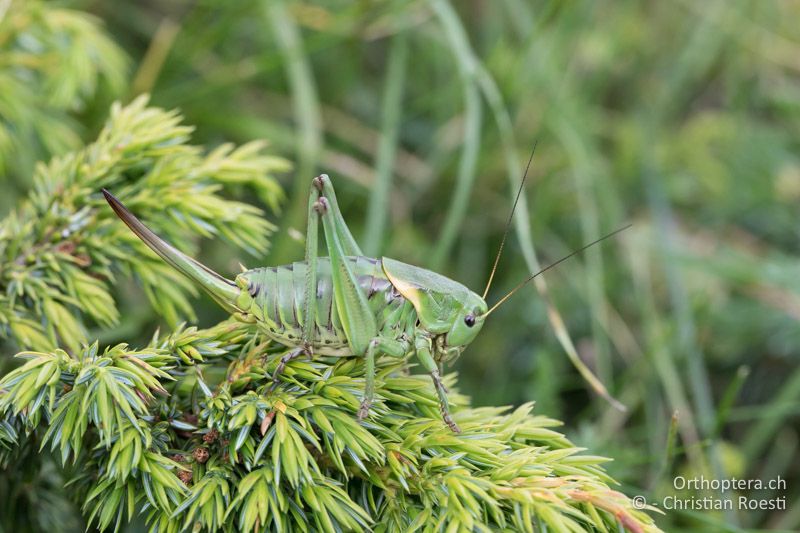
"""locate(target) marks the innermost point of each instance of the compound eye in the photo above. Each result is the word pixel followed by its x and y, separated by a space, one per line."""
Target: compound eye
pixel 469 320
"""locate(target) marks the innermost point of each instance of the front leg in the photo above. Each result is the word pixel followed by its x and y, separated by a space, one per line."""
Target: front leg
pixel 423 346
pixel 320 187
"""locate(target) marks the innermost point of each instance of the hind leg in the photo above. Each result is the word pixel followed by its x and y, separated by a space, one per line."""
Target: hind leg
pixel 322 193
pixel 308 320
pixel 355 315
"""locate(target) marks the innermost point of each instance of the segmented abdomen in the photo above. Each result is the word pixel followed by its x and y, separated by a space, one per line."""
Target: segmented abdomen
pixel 276 296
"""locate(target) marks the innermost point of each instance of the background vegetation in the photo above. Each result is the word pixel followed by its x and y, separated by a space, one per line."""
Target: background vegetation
pixel 679 116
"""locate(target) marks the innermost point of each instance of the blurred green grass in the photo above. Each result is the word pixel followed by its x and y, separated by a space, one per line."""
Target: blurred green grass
pixel 681 117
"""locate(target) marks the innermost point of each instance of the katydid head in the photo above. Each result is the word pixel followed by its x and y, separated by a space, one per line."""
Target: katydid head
pixel 467 321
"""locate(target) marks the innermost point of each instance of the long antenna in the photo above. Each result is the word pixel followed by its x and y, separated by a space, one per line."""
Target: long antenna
pixel 508 223
pixel 551 265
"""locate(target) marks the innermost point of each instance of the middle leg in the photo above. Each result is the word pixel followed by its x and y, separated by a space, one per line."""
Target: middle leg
pixel 376 346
